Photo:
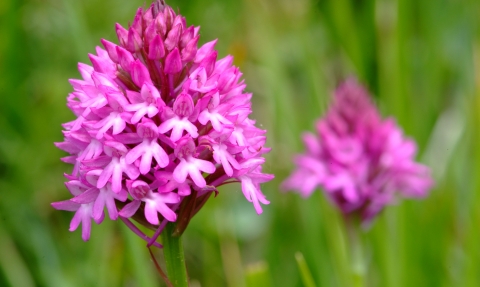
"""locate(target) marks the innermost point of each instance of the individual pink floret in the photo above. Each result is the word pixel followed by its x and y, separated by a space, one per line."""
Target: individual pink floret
pixel 180 122
pixel 148 149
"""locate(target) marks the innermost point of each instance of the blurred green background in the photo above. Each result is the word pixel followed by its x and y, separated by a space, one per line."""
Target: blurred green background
pixel 420 59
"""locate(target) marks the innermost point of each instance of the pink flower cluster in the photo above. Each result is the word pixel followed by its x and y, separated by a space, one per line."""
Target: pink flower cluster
pixel 159 125
pixel 361 161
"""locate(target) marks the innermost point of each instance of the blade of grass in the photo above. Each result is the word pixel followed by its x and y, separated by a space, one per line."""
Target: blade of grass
pixel 306 275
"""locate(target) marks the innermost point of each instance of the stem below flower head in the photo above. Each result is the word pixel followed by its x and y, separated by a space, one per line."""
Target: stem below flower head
pixel 358 262
pixel 174 257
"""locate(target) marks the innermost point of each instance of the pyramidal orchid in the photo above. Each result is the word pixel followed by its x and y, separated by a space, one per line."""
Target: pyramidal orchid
pixel 361 161
pixel 160 124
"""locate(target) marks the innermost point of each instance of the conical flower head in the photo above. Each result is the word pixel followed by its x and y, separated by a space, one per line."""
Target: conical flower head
pixel 160 123
pixel 361 161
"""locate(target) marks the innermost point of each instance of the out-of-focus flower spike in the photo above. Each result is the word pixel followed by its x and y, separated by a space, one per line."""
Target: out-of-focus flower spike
pixel 361 161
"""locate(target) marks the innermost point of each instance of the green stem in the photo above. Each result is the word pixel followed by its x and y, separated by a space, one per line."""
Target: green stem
pixel 359 266
pixel 174 257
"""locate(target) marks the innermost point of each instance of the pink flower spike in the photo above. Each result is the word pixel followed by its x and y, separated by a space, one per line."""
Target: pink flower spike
pixel 360 160
pixel 160 120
